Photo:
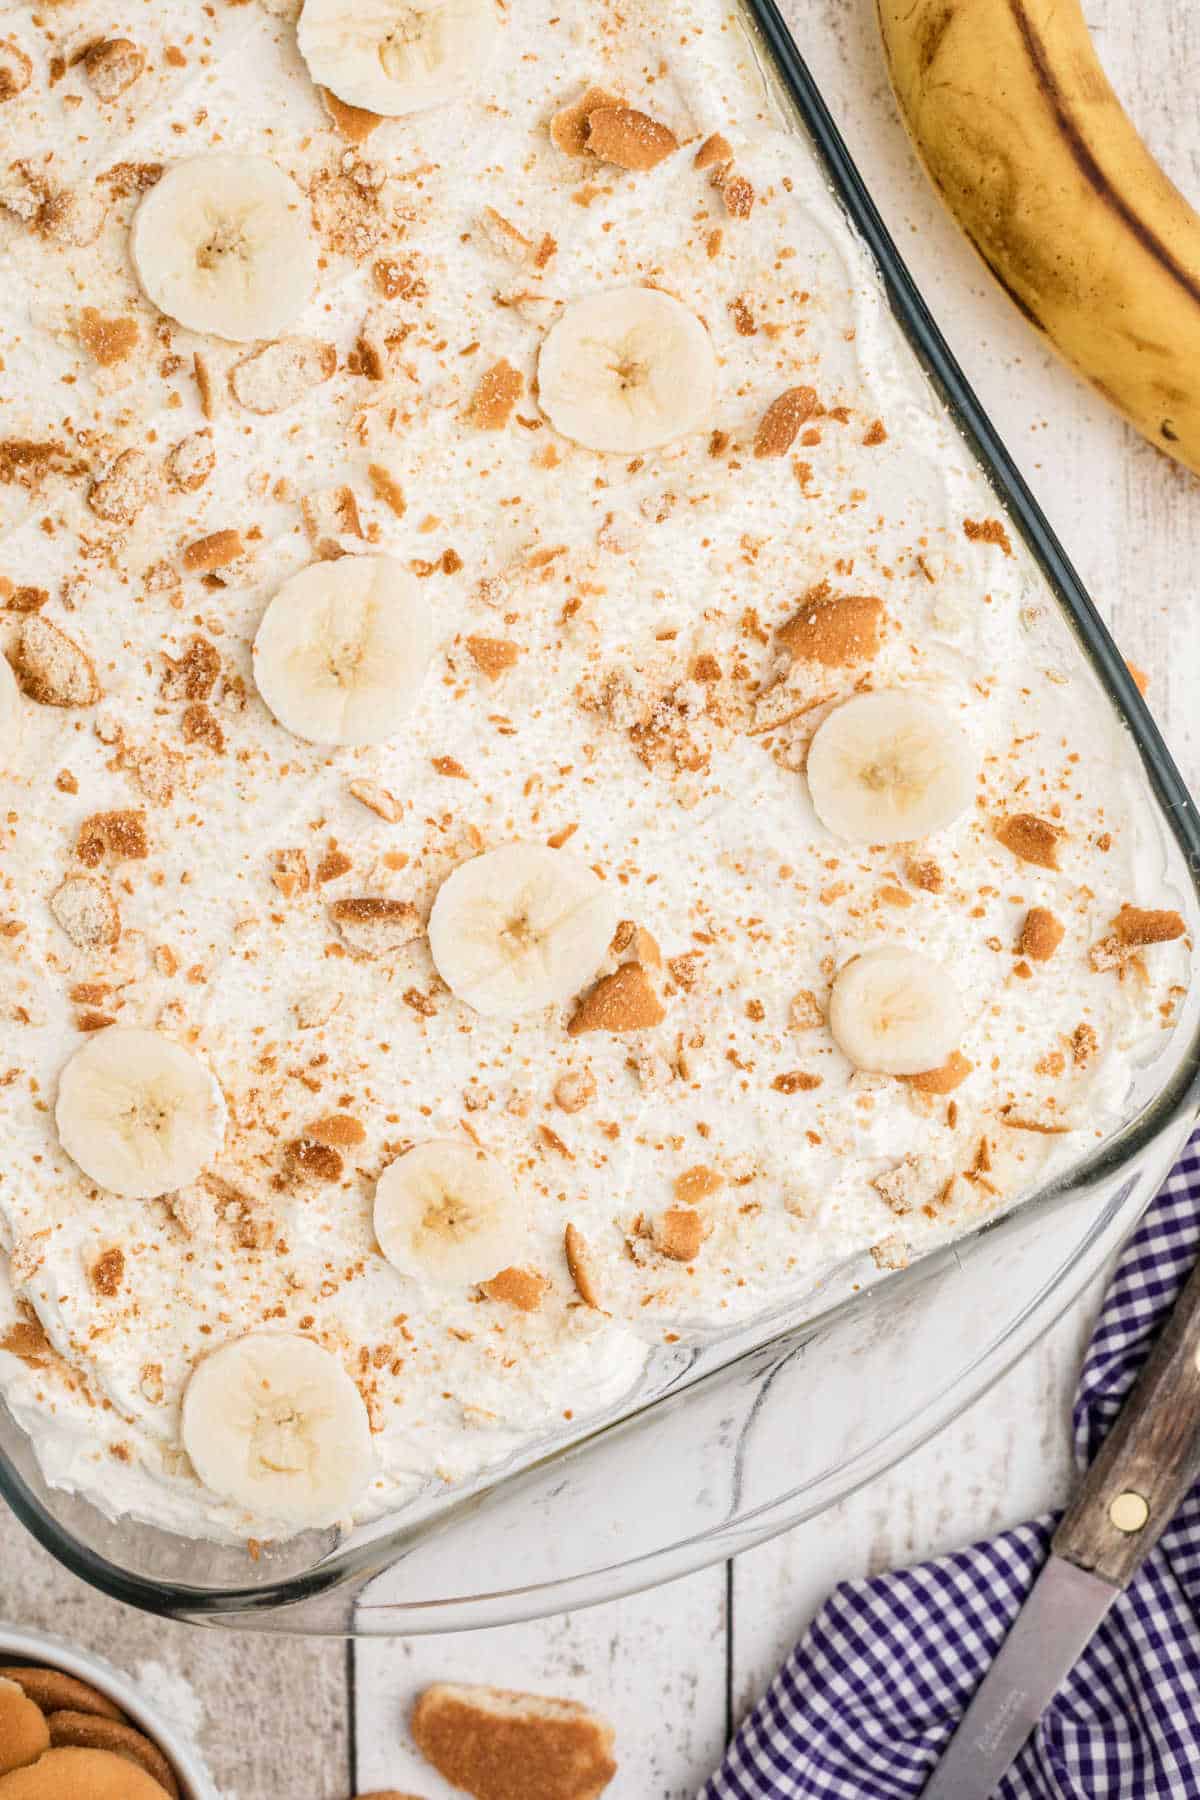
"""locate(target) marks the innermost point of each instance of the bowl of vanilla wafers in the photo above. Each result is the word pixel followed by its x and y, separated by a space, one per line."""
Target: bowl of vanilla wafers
pixel 74 1728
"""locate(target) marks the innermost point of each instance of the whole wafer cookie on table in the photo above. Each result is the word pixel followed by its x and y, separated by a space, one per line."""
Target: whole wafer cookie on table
pixel 500 1745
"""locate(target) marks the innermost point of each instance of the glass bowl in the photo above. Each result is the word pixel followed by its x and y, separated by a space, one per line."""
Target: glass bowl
pixel 731 1440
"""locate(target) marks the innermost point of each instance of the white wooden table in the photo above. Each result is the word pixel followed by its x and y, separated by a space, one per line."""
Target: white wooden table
pixel 675 1669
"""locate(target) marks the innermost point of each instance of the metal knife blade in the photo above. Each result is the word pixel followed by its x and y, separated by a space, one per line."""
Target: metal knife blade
pixel 1062 1611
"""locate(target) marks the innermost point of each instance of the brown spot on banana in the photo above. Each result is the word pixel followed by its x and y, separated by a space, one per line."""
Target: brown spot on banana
pixel 1018 299
pixel 1030 147
pixel 933 30
pixel 1097 89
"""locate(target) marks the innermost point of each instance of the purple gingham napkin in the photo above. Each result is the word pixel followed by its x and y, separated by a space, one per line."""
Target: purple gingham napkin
pixel 869 1698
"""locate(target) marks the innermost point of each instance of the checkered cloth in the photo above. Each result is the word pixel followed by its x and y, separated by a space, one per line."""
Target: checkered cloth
pixel 869 1698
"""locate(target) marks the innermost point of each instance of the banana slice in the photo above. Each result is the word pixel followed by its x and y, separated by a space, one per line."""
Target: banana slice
pixel 895 1012
pixel 274 1422
pixel 889 766
pixel 139 1114
pixel 222 244
pixel 397 56
pixel 627 370
pixel 10 714
pixel 520 928
pixel 446 1215
pixel 342 650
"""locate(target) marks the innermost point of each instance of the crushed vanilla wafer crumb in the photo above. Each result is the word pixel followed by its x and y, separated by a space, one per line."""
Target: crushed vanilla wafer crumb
pixel 524 1289
pixel 622 1001
pixel 1041 934
pixel 496 395
pixel 628 138
pixel 1031 839
pixel 569 126
pixel 779 425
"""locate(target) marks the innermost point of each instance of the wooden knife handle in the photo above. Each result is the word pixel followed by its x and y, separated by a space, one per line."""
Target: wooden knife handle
pixel 1149 1459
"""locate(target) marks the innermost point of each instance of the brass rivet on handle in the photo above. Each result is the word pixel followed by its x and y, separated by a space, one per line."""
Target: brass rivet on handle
pixel 1129 1511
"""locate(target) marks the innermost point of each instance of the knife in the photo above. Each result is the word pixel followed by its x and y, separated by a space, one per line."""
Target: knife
pixel 1144 1469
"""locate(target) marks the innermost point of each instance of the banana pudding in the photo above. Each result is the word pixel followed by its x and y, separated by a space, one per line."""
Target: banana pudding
pixel 544 814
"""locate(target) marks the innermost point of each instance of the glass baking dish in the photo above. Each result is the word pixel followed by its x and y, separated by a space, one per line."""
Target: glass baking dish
pixel 730 1440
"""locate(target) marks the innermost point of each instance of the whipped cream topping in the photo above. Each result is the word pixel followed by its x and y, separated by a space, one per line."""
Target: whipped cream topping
pixel 608 678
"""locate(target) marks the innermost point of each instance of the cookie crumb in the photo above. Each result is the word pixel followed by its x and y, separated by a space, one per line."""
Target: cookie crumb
pixel 579 1263
pixel 290 873
pixel 574 1090
pixel 281 373
pixel 120 836
pixel 714 153
pixel 338 1131
pixel 628 138
pixel 387 488
pixel 191 461
pixel 925 874
pixel 906 1185
pixel 622 1001
pixel 495 397
pixel 696 1184
pixel 84 907
pixel 737 193
pixel 212 552
pixel 796 1081
pixel 16 70
pixel 329 514
pixel 942 1080
pixel 1136 925
pixel 206 384
pixel 805 1012
pixel 782 420
pixel 119 495
pixel 890 1252
pixel 523 1288
pixel 107 341
pixel 569 126
pixel 679 1233
pixel 108 1272
pixel 492 655
pixel 1041 934
pixel 52 668
pixel 306 1160
pixel 111 66
pixel 988 531
pixel 372 925
pixel 833 630
pixel 1031 839
pixel 354 123
pixel 378 800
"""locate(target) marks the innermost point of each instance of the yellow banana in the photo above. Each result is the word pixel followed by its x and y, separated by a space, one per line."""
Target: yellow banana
pixel 1032 151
